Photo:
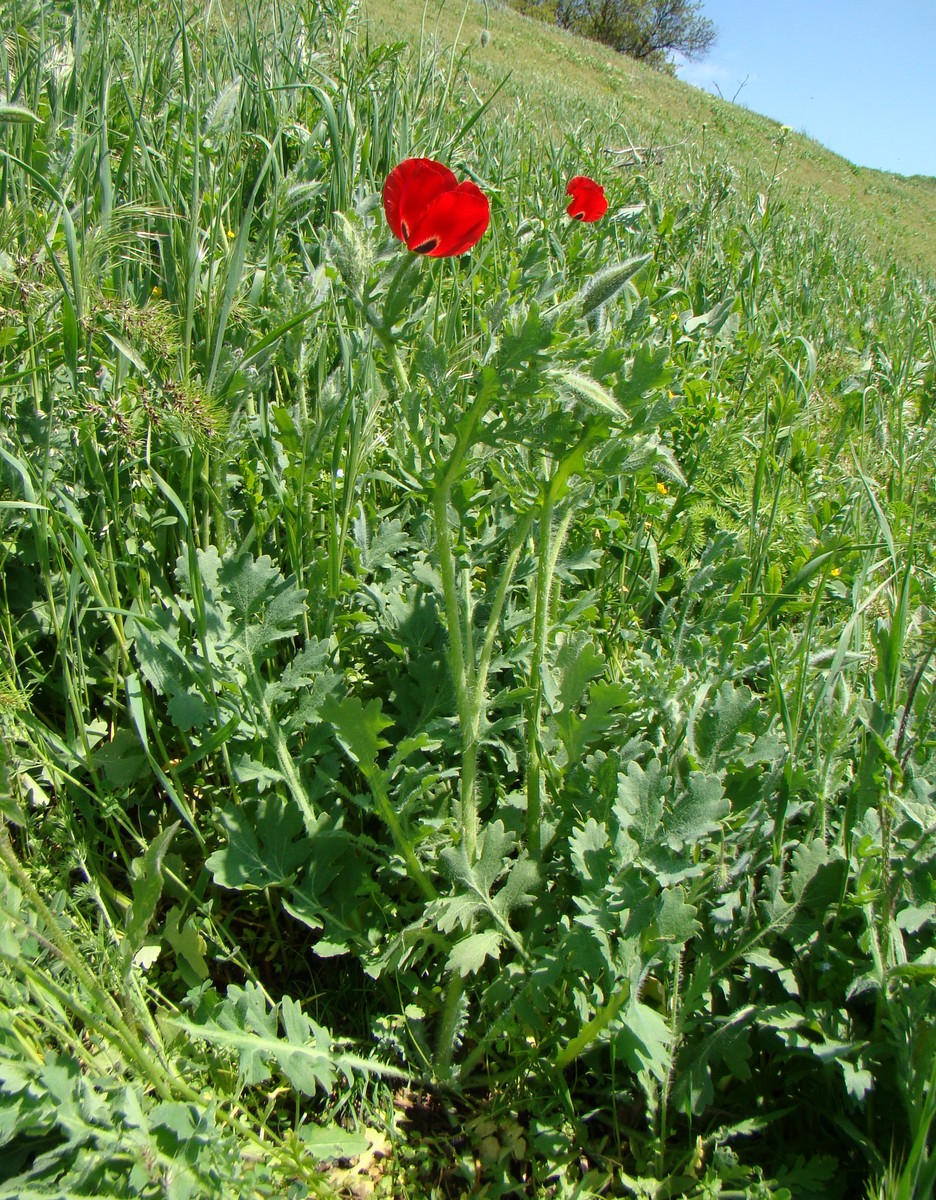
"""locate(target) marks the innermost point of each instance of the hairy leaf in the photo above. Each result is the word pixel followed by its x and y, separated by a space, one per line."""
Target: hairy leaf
pixel 467 956
pixel 262 850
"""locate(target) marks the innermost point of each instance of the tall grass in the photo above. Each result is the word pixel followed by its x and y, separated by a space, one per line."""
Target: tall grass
pixel 506 678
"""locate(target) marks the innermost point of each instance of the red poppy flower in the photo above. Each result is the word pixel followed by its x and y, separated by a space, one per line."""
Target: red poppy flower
pixel 429 210
pixel 588 199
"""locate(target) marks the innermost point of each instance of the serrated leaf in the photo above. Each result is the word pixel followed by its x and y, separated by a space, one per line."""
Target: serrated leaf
pixel 808 859
pixel 697 811
pixel 314 658
pixel 61 1076
pixel 519 888
pixel 268 607
pixel 331 1141
pixel 676 919
pixel 603 712
pixel 189 711
pixel 303 1070
pixel 467 956
pixel 208 562
pixel 262 850
pixel 244 1023
pixel 643 1041
pixel 432 363
pixel 721 729
pixel 477 880
pixel 577 664
pixel 297 694
pixel 639 807
pixel 693 1083
pixel 146 881
pixel 534 337
pixel 494 846
pixel 246 770
pixel 377 550
pixel 810 1179
pixel 649 370
pixel 590 853
pixel 188 945
pixel 453 911
pixel 358 727
pixel 247 1028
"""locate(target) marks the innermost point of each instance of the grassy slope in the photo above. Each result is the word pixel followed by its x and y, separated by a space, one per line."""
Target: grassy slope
pixel 561 81
pixel 805 428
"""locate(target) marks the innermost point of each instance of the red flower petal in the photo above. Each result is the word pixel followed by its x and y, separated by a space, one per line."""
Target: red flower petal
pixel 589 202
pixel 452 223
pixel 430 211
pixel 409 188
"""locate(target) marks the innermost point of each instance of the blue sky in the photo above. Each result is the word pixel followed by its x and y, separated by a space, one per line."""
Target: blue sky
pixel 859 77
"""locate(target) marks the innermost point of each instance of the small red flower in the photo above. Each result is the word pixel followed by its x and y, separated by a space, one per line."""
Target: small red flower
pixel 588 199
pixel 429 210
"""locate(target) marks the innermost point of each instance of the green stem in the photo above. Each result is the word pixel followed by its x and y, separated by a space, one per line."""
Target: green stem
pixel 590 1031
pixel 283 757
pixel 521 530
pixel 447 1026
pixel 407 263
pixel 396 365
pixel 463 672
pixel 382 800
pixel 109 1019
pixel 475 684
pixel 457 666
pixel 119 1030
pixel 550 544
pixel 540 624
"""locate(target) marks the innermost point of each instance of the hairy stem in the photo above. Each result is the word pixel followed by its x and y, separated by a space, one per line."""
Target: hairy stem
pixel 591 1029
pixel 456 653
pixel 385 808
pixel 462 671
pixel 448 1025
pixel 550 544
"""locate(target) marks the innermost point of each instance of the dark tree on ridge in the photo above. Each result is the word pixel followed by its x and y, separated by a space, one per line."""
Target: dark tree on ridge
pixel 648 30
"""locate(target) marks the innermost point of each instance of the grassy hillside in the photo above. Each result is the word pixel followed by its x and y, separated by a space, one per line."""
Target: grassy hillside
pixel 563 82
pixel 466 722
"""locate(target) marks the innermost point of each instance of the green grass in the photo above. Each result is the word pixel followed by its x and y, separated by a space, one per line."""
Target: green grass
pixel 573 86
pixel 467 724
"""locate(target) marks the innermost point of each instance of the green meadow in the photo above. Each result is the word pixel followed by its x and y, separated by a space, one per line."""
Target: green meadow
pixel 545 78
pixel 466 722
